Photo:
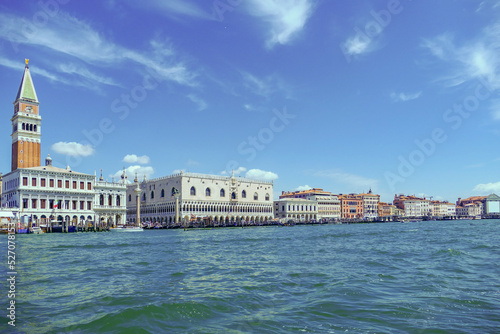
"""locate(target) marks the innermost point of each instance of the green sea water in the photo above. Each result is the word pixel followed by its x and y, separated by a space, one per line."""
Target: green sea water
pixel 425 277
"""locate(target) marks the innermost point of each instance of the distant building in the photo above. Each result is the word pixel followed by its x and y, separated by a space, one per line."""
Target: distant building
pixel 110 201
pixel 190 196
pixel 492 206
pixel 328 204
pixel 489 206
pixel 412 206
pixel 299 209
pixel 471 210
pixel 471 207
pixel 351 206
pixel 388 210
pixel 370 205
pixel 442 209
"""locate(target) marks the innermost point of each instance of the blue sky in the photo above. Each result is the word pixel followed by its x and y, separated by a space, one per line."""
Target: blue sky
pixel 396 96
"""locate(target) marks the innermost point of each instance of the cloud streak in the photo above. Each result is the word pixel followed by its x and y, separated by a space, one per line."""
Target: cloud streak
pixel 286 18
pixel 63 35
pixel 404 97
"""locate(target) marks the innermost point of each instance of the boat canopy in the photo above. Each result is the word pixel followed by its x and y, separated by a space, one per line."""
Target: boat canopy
pixel 6 214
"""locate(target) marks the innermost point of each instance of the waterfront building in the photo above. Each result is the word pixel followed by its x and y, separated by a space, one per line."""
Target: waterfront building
pixel 370 205
pixel 473 204
pixel 442 209
pixel 471 210
pixel 328 204
pixel 200 197
pixel 351 206
pixel 412 206
pixel 109 201
pixel 492 206
pixel 46 193
pixel 388 210
pixel 298 209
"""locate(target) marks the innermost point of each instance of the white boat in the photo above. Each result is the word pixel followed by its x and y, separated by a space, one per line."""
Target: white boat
pixel 36 230
pixel 127 228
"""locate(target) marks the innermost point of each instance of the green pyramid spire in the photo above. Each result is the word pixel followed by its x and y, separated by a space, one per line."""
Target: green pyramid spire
pixel 26 89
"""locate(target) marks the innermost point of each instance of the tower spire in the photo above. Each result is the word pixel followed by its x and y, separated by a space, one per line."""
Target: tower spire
pixel 26 88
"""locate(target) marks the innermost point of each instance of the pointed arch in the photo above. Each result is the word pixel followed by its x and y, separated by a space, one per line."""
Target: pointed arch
pixel 193 191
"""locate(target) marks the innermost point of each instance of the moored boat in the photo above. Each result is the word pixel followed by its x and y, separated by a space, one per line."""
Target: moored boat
pixel 126 228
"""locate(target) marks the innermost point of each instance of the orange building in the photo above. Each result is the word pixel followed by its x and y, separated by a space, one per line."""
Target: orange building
pixel 351 206
pixel 26 125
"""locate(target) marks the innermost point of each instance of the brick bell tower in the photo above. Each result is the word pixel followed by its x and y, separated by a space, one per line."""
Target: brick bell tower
pixel 26 125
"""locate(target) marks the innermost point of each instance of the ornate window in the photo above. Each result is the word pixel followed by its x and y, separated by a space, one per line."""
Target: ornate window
pixel 243 194
pixel 267 197
pixel 233 195
pixel 222 193
pixel 110 200
pixel 101 199
pixel 255 197
pixel 144 196
pixel 162 193
pixel 208 192
pixel 129 198
pixel 152 194
pixel 193 191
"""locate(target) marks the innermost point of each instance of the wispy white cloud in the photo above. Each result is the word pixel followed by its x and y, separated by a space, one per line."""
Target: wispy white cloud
pixel 174 8
pixel 301 188
pixel 132 159
pixel 132 171
pixel 487 188
pixel 285 17
pixel 63 35
pixel 258 174
pixel 73 149
pixel 178 171
pixel 355 182
pixel 266 86
pixel 200 103
pixel 403 97
pixel 358 44
pixel 192 162
pixel 476 59
pixel 478 165
pixel 84 72
pixel 236 171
